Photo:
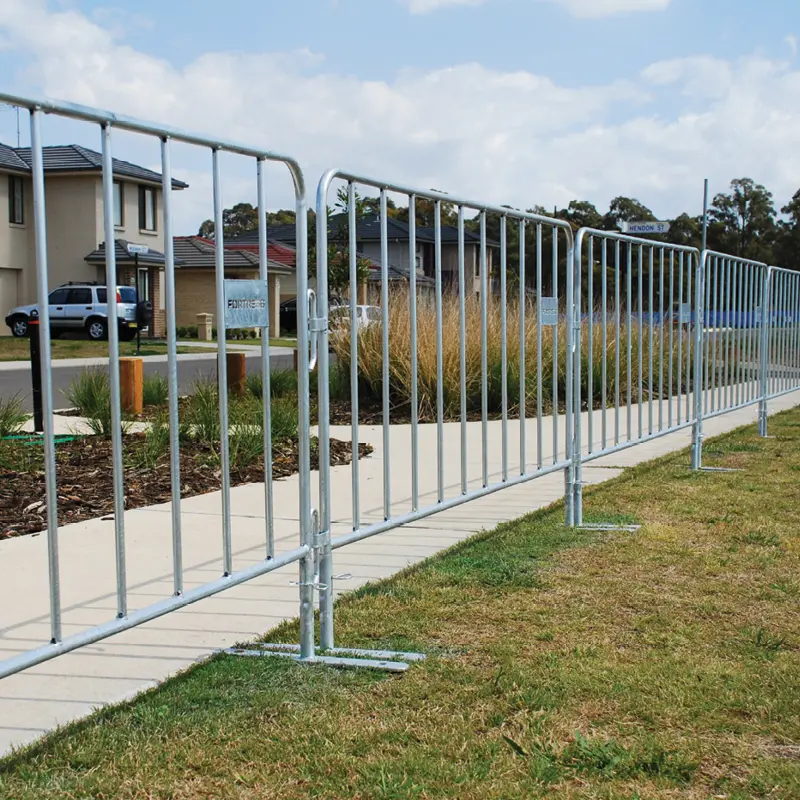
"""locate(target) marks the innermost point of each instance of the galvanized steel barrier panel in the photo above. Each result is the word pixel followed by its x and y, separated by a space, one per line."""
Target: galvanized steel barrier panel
pixel 635 323
pixel 541 321
pixel 783 342
pixel 107 123
pixel 730 342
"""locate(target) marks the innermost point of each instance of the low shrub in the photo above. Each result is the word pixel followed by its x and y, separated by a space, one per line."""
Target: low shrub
pixel 12 417
pixel 90 394
pixel 155 390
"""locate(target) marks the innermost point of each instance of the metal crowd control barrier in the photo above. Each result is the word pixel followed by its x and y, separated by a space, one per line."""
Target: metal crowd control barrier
pixel 729 344
pixel 781 372
pixel 545 322
pixel 108 123
pixel 634 299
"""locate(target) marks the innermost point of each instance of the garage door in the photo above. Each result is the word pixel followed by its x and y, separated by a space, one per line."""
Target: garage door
pixel 8 291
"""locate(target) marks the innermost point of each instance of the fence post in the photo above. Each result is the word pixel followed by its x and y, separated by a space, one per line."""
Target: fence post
pixel 766 346
pixel 131 385
pixel 574 498
pixel 699 342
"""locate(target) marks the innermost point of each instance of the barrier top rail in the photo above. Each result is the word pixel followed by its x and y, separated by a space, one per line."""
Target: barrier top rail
pixel 432 194
pixel 583 233
pixel 134 125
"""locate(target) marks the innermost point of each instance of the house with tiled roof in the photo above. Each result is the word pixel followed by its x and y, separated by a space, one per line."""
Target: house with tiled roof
pixel 75 224
pixel 195 278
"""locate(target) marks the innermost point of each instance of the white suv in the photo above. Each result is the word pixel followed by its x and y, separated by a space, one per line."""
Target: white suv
pixel 81 307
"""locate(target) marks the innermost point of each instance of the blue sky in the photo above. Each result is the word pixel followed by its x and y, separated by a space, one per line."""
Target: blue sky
pixel 512 101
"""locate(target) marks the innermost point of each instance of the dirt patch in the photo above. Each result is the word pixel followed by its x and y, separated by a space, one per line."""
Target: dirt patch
pixel 85 481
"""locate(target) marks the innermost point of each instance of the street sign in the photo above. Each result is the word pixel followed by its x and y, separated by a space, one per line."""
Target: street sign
pixel 246 304
pixel 644 227
pixel 138 249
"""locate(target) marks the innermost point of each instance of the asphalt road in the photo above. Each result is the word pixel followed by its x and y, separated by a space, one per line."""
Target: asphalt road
pixel 17 380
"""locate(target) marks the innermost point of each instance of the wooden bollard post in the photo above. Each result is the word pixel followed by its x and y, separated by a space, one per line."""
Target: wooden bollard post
pixel 237 373
pixel 131 375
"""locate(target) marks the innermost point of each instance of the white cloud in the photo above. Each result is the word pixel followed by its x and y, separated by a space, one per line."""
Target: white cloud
pixel 515 138
pixel 791 40
pixel 579 8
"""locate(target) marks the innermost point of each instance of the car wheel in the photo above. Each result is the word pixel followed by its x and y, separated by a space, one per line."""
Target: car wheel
pixel 97 329
pixel 19 327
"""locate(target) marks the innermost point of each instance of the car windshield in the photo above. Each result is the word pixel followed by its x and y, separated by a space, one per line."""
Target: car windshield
pixel 127 294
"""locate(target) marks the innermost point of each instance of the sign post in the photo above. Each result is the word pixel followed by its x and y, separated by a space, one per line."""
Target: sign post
pixel 36 371
pixel 136 250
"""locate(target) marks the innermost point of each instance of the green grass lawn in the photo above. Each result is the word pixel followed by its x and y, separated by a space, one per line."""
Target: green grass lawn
pixel 12 349
pixel 562 664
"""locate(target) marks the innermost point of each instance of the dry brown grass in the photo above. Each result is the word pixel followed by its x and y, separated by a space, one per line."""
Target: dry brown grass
pixel 553 347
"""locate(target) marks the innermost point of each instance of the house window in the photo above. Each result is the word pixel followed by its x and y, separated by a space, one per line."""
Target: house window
pixel 16 204
pixel 147 208
pixel 119 204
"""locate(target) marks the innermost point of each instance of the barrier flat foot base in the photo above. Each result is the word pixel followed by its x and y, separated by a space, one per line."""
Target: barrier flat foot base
pixel 720 469
pixel 342 657
pixel 609 527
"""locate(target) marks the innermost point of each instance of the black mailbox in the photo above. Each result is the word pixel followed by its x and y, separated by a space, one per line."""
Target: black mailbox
pixel 144 313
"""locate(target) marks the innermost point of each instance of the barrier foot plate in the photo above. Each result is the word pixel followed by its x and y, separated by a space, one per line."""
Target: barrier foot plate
pixel 719 469
pixel 343 657
pixel 609 527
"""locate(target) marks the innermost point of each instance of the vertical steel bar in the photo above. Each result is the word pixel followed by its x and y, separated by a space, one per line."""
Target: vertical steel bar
pixel 604 376
pixel 439 354
pixel 412 255
pixel 670 400
pixel 728 358
pixel 618 341
pixel 795 303
pixel 640 337
pixel 661 339
pixel 462 347
pixel 523 405
pixel 266 394
pixel 113 372
pixel 689 342
pixel 484 355
pixel 539 444
pixel 764 347
pixel 352 243
pixel 747 310
pixel 650 353
pixel 697 443
pixel 737 340
pixel 573 475
pixel 629 346
pixel 555 348
pixel 307 537
pixel 504 347
pixel 681 323
pixel 222 366
pixel 590 342
pixel 172 367
pixel 326 590
pixel 42 295
pixel 706 322
pixel 714 326
pixel 387 442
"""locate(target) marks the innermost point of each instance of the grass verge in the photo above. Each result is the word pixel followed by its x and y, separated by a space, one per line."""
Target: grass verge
pixel 562 664
pixel 12 349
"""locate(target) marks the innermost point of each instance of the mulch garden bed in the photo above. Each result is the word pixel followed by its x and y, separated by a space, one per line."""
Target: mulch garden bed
pixel 85 481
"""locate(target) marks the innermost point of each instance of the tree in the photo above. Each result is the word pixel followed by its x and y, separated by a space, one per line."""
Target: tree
pixel 787 246
pixel 626 209
pixel 243 218
pixel 743 221
pixel 582 214
pixel 686 230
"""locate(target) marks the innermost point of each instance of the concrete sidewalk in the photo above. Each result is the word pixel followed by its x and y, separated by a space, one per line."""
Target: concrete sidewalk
pixel 69 687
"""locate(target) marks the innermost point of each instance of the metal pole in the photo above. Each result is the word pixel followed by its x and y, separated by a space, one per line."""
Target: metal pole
pixel 42 296
pixel 113 371
pixel 705 215
pixel 172 368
